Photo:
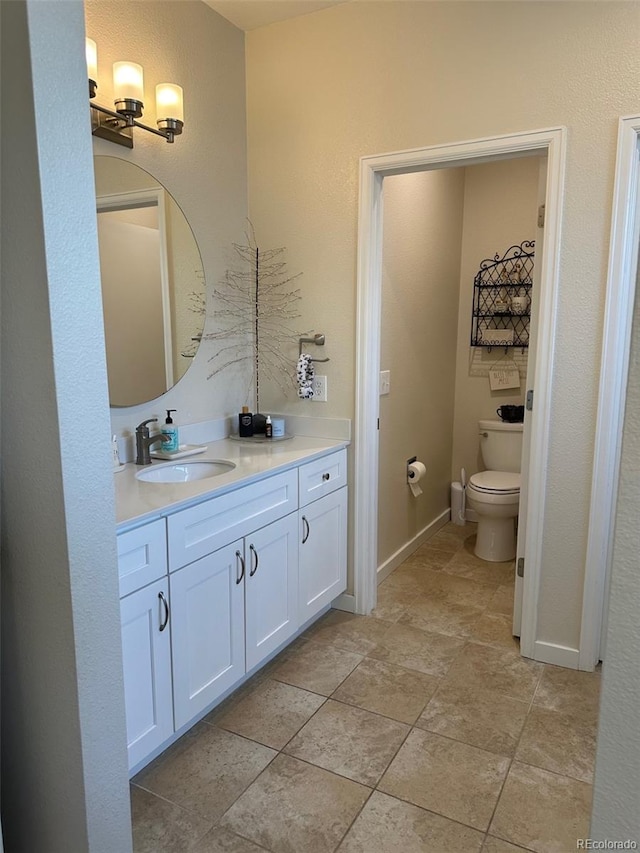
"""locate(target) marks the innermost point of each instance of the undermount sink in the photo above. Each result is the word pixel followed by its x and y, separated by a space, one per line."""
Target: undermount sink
pixel 185 472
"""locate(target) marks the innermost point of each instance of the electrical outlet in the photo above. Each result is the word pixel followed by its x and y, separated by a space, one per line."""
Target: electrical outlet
pixel 319 386
pixel 385 382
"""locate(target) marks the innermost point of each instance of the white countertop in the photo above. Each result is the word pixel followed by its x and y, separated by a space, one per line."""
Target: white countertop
pixel 137 501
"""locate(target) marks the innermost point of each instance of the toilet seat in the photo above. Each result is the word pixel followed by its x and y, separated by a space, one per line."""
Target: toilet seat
pixel 496 483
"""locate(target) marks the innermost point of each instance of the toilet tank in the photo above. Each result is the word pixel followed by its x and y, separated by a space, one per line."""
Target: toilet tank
pixel 501 445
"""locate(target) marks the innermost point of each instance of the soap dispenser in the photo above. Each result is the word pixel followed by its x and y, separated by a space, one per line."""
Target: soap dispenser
pixel 170 444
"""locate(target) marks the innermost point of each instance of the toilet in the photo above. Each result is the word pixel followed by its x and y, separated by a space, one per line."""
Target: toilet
pixel 494 494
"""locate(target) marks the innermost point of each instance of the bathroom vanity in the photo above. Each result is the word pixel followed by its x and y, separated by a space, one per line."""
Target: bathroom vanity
pixel 218 575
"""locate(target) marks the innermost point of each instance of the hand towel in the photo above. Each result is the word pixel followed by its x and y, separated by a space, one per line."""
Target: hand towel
pixel 305 373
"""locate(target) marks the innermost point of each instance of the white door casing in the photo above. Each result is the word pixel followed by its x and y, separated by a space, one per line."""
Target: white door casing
pixel 550 143
pixel 616 345
pixel 530 384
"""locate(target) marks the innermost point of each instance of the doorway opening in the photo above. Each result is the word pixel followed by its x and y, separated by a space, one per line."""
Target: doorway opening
pixel 545 143
pixel 458 267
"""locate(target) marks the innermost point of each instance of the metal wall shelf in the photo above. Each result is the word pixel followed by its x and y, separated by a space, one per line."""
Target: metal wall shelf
pixel 502 298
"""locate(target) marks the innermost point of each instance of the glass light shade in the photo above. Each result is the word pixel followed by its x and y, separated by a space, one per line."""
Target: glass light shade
pixel 127 81
pixel 169 102
pixel 92 59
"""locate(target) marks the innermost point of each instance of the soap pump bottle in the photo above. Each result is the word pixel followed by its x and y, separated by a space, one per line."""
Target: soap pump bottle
pixel 268 428
pixel 245 423
pixel 170 444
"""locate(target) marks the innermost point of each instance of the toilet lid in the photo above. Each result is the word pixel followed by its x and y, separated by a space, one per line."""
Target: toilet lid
pixel 496 482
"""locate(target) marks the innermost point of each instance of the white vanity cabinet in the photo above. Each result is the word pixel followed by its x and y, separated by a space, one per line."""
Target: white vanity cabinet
pixel 271 588
pixel 231 609
pixel 146 638
pixel 210 591
pixel 322 561
pixel 207 604
pixel 322 568
pixel 237 604
pixel 146 656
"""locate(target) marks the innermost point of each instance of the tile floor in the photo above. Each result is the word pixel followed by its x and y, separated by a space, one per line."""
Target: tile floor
pixel 419 728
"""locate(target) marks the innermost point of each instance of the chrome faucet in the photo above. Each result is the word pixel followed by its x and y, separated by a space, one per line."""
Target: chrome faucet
pixel 144 441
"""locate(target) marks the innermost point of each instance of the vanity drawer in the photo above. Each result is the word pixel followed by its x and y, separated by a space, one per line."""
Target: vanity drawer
pixel 142 556
pixel 204 528
pixel 322 476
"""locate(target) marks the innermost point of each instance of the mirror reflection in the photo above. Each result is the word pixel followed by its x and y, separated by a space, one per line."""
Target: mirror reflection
pixel 153 291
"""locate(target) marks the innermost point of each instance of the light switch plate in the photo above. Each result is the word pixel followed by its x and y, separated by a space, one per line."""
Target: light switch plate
pixel 319 386
pixel 385 382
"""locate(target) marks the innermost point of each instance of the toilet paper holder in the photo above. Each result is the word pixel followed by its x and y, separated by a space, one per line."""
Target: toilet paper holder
pixel 415 472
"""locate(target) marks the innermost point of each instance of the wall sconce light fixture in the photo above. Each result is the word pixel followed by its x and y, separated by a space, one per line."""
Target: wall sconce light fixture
pixel 128 89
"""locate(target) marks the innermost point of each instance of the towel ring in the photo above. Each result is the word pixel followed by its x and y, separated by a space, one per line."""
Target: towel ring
pixel 318 340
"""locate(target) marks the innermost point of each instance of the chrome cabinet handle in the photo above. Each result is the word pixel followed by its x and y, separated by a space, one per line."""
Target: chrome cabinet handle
pixel 326 477
pixel 166 611
pixel 255 567
pixel 241 561
pixel 307 531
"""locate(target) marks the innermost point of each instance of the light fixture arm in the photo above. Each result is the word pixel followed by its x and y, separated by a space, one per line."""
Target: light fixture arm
pixel 118 127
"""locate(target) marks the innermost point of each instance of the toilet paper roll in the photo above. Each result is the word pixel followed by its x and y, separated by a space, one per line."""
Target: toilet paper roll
pixel 415 472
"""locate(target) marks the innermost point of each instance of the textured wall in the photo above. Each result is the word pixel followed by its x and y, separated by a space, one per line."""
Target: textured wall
pixel 615 801
pixel 64 761
pixel 204 170
pixel 500 210
pixel 420 286
pixel 366 78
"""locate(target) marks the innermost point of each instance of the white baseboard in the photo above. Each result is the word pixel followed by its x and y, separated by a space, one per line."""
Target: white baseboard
pixel 385 569
pixel 346 602
pixel 557 655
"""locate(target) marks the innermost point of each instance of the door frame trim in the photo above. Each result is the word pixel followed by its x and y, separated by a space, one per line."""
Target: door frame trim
pixel 614 369
pixel 550 142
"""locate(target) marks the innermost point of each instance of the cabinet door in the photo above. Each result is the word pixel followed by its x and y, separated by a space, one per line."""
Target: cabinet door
pixel 146 655
pixel 322 553
pixel 207 600
pixel 271 588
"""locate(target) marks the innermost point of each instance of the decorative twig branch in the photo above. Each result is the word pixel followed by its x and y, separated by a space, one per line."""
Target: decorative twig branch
pixel 252 305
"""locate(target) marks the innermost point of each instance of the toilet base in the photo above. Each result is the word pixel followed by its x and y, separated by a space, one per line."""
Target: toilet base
pixel 496 539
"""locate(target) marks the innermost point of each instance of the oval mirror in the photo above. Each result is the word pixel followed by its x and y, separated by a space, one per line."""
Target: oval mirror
pixel 153 290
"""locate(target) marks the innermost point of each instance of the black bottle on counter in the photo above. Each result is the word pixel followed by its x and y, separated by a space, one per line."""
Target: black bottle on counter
pixel 245 423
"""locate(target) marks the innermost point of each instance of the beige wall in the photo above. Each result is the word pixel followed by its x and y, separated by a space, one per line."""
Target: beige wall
pixel 186 42
pixel 500 210
pixel 420 286
pixel 365 78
